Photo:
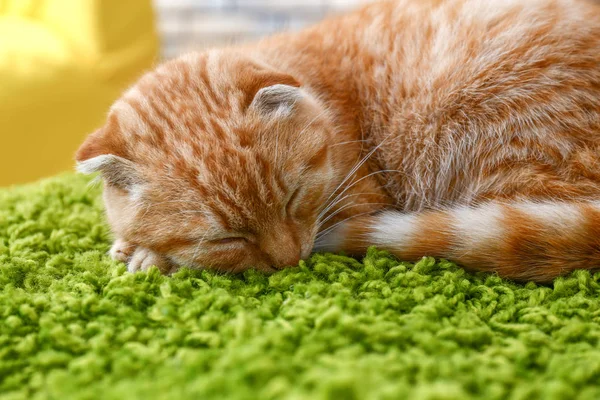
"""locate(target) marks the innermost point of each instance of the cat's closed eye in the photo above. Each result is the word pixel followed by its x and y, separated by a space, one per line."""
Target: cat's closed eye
pixel 230 240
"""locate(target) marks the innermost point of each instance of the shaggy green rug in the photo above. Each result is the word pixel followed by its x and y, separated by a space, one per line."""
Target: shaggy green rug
pixel 76 325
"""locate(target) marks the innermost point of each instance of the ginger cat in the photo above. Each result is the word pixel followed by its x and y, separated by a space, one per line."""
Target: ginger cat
pixel 462 129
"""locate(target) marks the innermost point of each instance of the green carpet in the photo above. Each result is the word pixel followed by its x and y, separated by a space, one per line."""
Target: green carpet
pixel 74 324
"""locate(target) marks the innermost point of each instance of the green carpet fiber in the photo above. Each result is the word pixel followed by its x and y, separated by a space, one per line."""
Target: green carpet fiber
pixel 74 324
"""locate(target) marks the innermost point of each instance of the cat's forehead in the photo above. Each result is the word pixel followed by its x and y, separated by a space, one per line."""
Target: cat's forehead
pixel 201 83
pixel 173 107
pixel 200 94
pixel 214 79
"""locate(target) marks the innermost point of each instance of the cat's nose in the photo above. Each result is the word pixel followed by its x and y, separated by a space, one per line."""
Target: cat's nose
pixel 285 254
pixel 286 259
pixel 282 248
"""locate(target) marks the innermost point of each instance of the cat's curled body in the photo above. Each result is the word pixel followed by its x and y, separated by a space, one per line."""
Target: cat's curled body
pixel 462 129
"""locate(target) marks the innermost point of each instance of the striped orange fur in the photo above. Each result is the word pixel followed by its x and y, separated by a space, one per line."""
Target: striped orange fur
pixel 464 129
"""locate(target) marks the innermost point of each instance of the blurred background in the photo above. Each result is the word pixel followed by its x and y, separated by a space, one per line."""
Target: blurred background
pixel 193 24
pixel 63 62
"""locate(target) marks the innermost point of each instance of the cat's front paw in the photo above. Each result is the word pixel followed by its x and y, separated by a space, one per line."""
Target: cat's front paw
pixel 139 258
pixel 142 259
pixel 121 250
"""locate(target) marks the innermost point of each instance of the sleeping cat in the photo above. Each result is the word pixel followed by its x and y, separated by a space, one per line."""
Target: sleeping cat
pixel 462 129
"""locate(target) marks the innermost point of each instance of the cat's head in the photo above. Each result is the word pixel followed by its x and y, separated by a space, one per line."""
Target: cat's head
pixel 216 160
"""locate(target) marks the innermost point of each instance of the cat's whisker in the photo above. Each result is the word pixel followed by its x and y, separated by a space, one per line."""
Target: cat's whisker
pixel 325 210
pixel 334 201
pixel 332 204
pixel 358 166
pixel 311 122
pixel 325 232
pixel 321 222
pixel 351 173
pixel 347 206
pixel 347 142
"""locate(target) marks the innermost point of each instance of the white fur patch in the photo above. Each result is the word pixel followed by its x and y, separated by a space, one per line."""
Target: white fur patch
pixel 559 216
pixel 394 230
pixel 476 226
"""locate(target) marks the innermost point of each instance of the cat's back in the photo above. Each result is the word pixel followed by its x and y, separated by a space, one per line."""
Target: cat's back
pixel 460 62
pixel 458 87
pixel 445 45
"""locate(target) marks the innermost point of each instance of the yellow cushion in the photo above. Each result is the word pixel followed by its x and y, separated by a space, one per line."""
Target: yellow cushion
pixel 62 63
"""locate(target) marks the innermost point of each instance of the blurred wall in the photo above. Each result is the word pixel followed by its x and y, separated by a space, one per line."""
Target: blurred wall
pixel 187 25
pixel 62 63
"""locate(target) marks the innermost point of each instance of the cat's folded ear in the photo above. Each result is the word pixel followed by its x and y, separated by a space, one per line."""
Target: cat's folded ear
pixel 274 94
pixel 115 170
pixel 103 152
